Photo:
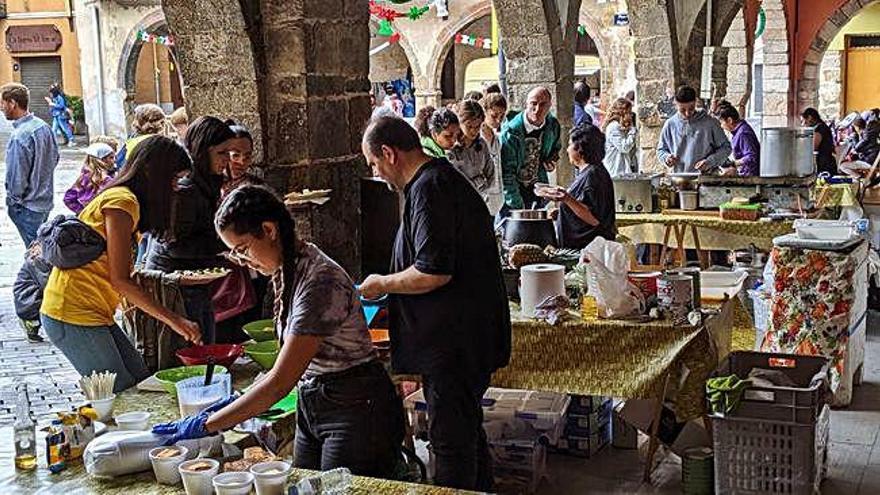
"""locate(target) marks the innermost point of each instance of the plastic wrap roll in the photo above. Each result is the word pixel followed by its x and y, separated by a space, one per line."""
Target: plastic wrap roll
pixel 538 282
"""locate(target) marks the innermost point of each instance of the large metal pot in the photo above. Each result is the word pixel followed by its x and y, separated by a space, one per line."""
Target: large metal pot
pixel 777 152
pixel 538 231
pixel 528 214
pixel 804 159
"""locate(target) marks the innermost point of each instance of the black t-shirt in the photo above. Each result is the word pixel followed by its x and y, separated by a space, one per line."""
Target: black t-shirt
pixel 825 161
pixel 593 187
pixel 446 229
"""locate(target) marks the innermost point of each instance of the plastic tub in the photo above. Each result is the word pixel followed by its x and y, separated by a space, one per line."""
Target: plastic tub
pixel 235 483
pixel 197 475
pixel 826 230
pixel 193 395
pixel 169 378
pixel 133 421
pixel 165 467
pixel 269 477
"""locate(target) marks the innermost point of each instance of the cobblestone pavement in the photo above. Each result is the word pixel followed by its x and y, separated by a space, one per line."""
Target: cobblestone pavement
pixel 52 380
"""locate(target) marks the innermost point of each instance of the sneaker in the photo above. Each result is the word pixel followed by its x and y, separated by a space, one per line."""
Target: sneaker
pixel 32 330
pixel 71 144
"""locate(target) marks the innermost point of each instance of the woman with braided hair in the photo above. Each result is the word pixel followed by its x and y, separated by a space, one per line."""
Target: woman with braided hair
pixel 349 414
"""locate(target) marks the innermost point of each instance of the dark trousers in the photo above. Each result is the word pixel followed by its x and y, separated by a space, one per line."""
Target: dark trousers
pixel 351 419
pixel 197 300
pixel 455 429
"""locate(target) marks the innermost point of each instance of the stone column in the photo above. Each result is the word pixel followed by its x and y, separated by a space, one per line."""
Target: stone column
pixel 654 73
pixel 300 81
pixel 715 68
pixel 739 64
pixel 428 97
pixel 538 39
pixel 831 85
pixel 777 77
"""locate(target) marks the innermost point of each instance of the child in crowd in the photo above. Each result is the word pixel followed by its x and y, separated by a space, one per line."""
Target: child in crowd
pixel 95 174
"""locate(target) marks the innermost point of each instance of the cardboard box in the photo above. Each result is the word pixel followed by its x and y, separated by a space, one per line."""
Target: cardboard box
pixel 677 436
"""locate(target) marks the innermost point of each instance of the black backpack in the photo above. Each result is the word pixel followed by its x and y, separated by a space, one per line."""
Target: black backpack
pixel 68 242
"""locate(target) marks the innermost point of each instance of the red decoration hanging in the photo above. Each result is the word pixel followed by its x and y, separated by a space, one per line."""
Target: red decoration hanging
pixel 381 12
pixel 394 37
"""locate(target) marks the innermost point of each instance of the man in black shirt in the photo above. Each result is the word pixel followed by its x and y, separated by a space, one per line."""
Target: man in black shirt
pixel 449 317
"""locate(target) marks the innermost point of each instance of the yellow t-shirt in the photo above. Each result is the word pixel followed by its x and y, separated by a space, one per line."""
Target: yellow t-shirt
pixel 83 296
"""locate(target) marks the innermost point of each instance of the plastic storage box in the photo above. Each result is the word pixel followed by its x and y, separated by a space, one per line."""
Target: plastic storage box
pixel 519 462
pixel 776 440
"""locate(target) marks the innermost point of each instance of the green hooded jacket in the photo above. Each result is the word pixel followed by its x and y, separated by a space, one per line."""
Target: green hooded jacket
pixel 513 154
pixel 431 148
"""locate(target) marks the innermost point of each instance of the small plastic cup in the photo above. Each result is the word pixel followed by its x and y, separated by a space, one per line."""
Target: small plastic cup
pixel 237 483
pixel 198 482
pixel 193 396
pixel 165 468
pixel 103 407
pixel 269 477
pixel 135 421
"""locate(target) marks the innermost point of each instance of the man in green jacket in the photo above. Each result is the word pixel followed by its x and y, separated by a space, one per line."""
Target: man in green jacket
pixel 529 149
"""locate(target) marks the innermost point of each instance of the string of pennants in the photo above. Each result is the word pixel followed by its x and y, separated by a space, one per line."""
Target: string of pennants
pixel 154 38
pixel 476 41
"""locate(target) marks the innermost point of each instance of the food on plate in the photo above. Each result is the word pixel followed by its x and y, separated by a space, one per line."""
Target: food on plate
pixel 307 194
pixel 252 456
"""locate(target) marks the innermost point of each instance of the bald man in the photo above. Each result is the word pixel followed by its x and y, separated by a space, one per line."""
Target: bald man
pixel 529 149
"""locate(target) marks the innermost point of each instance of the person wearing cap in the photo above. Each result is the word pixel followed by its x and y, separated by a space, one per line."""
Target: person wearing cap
pixel 94 175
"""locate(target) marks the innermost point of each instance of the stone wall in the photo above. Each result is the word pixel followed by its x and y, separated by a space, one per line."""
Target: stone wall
pixel 831 85
pixel 301 83
pixel 739 64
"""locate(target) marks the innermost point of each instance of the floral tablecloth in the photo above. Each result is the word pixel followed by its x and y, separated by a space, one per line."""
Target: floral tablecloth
pixel 813 303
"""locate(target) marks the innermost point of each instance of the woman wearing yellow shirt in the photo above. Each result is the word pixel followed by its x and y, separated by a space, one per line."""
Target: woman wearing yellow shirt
pixel 79 303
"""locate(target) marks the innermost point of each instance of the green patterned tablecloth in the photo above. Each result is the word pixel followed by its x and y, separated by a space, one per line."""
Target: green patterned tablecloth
pixel 714 232
pixel 618 358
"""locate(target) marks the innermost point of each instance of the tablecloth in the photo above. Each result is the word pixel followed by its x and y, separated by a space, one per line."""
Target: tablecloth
pixel 618 358
pixel 715 233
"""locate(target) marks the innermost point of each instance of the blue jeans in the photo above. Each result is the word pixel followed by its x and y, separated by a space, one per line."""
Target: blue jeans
pixel 98 349
pixel 27 222
pixel 63 125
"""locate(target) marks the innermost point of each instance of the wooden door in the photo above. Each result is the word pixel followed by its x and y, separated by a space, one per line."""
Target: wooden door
pixel 862 85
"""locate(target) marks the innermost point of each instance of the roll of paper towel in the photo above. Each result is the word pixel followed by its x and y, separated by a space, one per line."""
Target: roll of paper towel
pixel 537 283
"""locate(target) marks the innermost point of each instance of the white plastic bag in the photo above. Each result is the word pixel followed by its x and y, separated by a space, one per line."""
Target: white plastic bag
pixel 118 453
pixel 608 268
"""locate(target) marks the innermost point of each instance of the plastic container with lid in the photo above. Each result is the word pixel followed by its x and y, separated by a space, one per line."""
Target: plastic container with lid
pixel 193 396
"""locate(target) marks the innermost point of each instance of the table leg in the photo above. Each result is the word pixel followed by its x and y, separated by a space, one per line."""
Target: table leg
pixel 704 263
pixel 679 239
pixel 665 247
pixel 655 428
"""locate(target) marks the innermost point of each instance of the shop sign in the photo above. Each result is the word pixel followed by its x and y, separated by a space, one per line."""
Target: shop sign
pixel 621 19
pixel 38 38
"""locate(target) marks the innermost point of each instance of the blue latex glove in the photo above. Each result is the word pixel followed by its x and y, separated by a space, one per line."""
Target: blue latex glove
pixel 191 427
pixel 188 428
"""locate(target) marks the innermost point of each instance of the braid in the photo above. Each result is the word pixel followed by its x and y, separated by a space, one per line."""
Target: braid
pixel 244 210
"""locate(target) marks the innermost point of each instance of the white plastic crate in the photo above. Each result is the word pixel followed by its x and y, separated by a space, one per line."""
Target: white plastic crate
pixel 519 462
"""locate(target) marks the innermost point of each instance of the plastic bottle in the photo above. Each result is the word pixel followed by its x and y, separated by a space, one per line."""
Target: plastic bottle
pixel 25 432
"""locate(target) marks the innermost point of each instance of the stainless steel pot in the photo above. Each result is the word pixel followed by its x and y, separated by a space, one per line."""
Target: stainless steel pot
pixel 528 214
pixel 538 231
pixel 804 159
pixel 777 152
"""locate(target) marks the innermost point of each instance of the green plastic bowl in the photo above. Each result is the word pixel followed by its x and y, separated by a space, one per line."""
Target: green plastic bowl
pixel 169 378
pixel 264 353
pixel 260 330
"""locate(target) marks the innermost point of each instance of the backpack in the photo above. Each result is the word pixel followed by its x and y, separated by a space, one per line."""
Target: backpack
pixel 65 242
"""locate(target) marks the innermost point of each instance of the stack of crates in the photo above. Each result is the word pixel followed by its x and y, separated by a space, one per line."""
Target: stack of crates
pixel 776 440
pixel 587 426
pixel 520 425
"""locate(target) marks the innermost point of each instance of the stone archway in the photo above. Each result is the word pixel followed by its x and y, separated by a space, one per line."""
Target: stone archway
pixel 740 55
pixel 816 57
pixel 443 43
pixel 128 62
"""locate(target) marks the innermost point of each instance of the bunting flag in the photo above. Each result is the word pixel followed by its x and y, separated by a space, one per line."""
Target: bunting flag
pixel 153 38
pixel 476 41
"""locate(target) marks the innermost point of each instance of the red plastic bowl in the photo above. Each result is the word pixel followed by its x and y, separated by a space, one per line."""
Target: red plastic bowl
pixel 223 354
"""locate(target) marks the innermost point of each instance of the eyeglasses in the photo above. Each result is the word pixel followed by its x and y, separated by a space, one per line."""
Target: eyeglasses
pixel 240 254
